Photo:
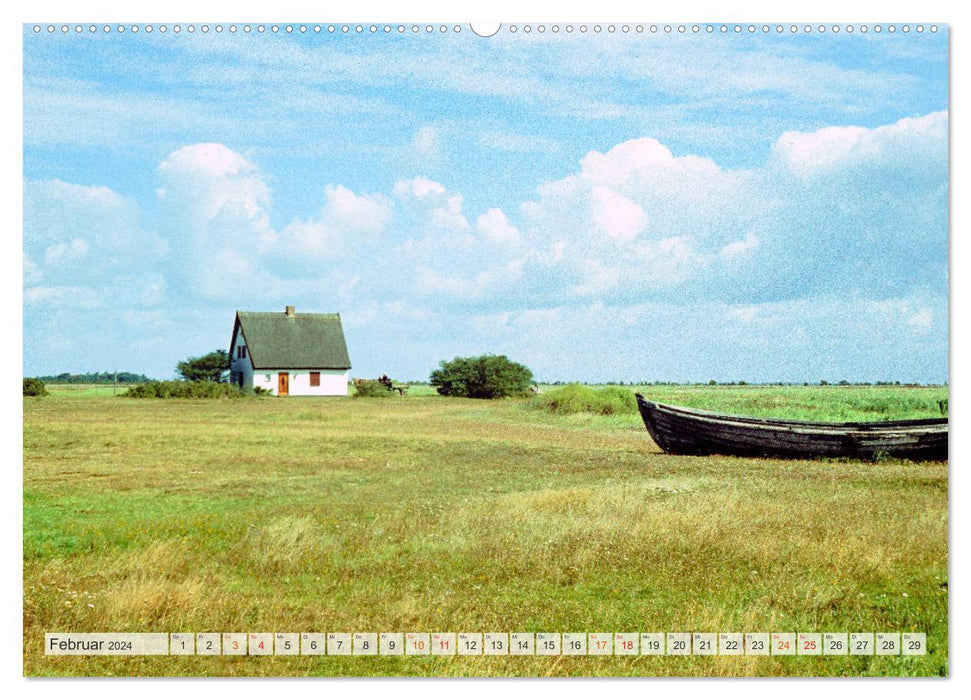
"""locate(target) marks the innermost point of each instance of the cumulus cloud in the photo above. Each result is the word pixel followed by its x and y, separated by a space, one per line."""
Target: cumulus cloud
pixel 83 235
pixel 419 187
pixel 850 208
pixel 450 216
pixel 216 215
pixel 217 206
pixel 614 215
pixel 495 226
pixel 67 252
pixel 638 222
pixel 914 138
pixel 209 162
pixel 346 221
pixel 430 215
pixel 839 231
pixel 344 208
pixel 206 185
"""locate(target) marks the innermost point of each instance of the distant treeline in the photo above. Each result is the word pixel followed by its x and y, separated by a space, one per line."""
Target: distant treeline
pixel 95 378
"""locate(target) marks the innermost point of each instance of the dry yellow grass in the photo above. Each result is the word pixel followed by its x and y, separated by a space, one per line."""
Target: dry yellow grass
pixel 428 514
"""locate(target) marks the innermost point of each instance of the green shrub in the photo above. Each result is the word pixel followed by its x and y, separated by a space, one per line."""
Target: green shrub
pixel 574 398
pixel 34 387
pixel 370 388
pixel 483 377
pixel 185 390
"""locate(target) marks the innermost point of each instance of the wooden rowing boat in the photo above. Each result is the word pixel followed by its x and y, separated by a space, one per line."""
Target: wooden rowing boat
pixel 688 431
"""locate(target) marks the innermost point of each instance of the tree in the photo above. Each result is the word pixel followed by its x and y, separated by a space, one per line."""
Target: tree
pixel 483 377
pixel 213 367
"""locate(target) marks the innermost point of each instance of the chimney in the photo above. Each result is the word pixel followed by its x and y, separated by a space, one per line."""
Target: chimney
pixel 291 312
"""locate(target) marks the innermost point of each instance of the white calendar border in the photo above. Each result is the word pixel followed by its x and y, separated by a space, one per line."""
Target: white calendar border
pixel 421 10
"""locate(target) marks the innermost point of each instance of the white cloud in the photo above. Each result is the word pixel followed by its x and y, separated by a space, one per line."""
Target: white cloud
pixel 64 297
pixel 870 220
pixel 495 226
pixel 361 212
pixel 738 248
pixel 152 291
pixel 426 145
pixel 32 273
pixel 347 221
pixel 207 183
pixel 67 252
pixel 312 237
pixel 819 151
pixel 419 187
pixel 595 277
pixel 616 216
pixel 216 215
pixel 83 235
pixel 922 321
pixel 207 161
pixel 479 286
pixel 616 165
pixel 450 216
pixel 626 160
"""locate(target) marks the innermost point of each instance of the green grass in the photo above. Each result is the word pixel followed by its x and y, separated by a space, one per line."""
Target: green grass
pixel 574 398
pixel 433 514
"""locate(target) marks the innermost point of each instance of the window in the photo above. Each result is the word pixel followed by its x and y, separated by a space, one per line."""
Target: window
pixel 241 351
pixel 315 379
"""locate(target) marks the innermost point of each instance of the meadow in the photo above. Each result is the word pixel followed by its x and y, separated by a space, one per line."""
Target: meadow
pixel 430 514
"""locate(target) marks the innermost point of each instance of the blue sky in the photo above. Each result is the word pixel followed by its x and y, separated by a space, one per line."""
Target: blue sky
pixel 599 207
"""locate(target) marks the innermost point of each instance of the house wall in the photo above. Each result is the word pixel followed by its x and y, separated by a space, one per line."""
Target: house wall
pixel 333 382
pixel 244 365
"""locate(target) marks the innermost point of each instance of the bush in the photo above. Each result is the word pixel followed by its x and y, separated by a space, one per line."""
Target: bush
pixel 484 377
pixel 370 388
pixel 34 387
pixel 574 398
pixel 185 390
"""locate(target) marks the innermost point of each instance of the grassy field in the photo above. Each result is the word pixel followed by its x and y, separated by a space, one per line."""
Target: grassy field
pixel 432 514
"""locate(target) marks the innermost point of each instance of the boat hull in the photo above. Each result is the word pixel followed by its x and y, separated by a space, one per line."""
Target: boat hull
pixel 679 430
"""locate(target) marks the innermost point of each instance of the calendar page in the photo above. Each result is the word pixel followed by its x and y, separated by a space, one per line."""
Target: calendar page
pixel 462 349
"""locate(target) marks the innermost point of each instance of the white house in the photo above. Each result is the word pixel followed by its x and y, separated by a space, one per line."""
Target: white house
pixel 289 353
